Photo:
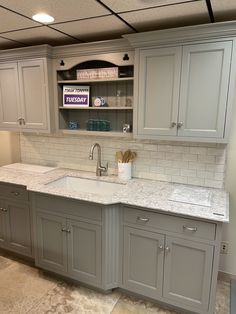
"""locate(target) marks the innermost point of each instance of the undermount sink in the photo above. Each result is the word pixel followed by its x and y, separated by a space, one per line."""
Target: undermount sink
pixel 85 185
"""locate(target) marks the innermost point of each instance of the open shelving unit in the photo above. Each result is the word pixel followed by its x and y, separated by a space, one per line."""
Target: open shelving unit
pixel 117 92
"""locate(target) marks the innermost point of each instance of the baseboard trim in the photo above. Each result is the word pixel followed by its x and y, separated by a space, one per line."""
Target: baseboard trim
pixel 226 276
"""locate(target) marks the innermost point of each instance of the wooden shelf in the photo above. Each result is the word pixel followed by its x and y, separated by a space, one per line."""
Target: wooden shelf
pixel 96 80
pixel 95 108
pixel 97 133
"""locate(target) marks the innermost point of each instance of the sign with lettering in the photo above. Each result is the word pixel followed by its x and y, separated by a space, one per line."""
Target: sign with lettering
pixel 76 96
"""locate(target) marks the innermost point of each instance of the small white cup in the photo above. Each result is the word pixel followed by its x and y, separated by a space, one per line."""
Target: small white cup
pixel 124 171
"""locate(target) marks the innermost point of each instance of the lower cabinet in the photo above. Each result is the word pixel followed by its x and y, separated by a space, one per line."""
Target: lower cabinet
pixel 15 227
pixel 175 268
pixel 187 272
pixel 143 262
pixel 70 247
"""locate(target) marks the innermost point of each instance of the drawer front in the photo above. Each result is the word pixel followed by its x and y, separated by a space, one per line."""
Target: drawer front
pixel 14 192
pixel 61 205
pixel 188 227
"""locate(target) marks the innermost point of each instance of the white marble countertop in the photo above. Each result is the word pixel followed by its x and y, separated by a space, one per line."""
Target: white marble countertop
pixel 150 194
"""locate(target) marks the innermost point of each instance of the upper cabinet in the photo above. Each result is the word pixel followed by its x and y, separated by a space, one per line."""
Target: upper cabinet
pixel 25 95
pixel 182 91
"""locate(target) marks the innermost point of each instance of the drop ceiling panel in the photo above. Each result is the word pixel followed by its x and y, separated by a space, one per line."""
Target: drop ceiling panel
pixel 169 16
pixel 6 43
pixel 11 21
pixel 40 35
pixel 130 5
pixel 224 10
pixel 95 29
pixel 61 10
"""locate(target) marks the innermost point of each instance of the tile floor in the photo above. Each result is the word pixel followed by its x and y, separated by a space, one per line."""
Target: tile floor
pixel 28 290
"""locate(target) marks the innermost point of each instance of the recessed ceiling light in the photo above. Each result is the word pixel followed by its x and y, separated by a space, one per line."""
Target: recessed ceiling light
pixel 43 18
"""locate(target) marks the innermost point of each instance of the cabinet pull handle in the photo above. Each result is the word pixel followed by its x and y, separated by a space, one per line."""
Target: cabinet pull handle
pixel 15 193
pixel 173 124
pixel 68 231
pixel 63 230
pixel 143 219
pixel 20 121
pixel 167 249
pixel 23 121
pixel 180 124
pixel 192 229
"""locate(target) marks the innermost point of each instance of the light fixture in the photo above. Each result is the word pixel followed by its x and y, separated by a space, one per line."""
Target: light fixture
pixel 43 18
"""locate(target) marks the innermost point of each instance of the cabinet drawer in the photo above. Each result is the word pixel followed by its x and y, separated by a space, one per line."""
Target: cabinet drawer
pixel 190 228
pixel 14 192
pixel 62 205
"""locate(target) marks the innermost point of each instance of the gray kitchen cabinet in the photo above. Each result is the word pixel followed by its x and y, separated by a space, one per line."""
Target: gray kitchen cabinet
pixel 24 96
pixel 158 88
pixel 143 262
pixel 15 220
pixel 187 272
pixel 183 92
pixel 51 242
pixel 68 238
pixel 69 246
pixel 170 259
pixel 204 89
pixel 9 96
pixel 84 251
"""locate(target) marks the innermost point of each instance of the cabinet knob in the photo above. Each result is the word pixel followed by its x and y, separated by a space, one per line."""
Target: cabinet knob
pixel 68 231
pixel 143 219
pixel 173 124
pixel 180 124
pixel 4 209
pixel 63 230
pixel 20 121
pixel 15 193
pixel 161 247
pixel 167 249
pixel 192 229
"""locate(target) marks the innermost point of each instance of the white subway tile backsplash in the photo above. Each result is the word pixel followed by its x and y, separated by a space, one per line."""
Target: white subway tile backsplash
pixel 189 163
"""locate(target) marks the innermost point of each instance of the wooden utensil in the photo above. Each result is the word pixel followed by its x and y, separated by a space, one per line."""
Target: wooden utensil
pixel 126 156
pixel 119 156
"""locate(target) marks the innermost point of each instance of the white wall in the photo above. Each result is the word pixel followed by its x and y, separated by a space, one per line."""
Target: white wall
pixel 9 148
pixel 228 262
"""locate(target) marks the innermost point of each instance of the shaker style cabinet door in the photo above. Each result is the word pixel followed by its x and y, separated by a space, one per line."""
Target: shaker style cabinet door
pixel 51 246
pixel 18 228
pixel 84 251
pixel 33 94
pixel 143 262
pixel 9 97
pixel 204 89
pixel 158 90
pixel 187 275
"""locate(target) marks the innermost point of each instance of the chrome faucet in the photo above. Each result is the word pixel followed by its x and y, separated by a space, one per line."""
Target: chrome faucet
pixel 99 168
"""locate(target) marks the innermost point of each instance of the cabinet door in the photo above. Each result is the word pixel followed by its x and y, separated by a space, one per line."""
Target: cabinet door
pixel 2 224
pixel 33 94
pixel 187 275
pixel 18 228
pixel 9 97
pixel 84 251
pixel 159 80
pixel 51 238
pixel 143 262
pixel 204 89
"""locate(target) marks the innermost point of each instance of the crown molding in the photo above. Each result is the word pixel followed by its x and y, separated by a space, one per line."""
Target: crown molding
pixel 183 34
pixel 26 53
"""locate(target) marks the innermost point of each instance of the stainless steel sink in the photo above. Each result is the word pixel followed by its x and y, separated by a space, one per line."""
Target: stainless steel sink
pixel 85 185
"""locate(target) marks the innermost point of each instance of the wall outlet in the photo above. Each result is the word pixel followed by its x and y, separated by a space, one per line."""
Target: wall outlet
pixel 224 247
